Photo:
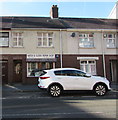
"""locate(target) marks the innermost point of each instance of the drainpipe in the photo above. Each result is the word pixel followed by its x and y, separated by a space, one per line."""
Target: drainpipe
pixel 103 55
pixel 61 49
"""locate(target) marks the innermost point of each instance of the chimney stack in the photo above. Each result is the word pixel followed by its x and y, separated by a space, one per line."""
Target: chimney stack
pixel 54 12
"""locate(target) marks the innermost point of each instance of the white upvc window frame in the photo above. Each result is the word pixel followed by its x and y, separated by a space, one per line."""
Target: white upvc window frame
pixel 86 40
pixel 36 66
pixel 41 36
pixel 86 66
pixel 29 67
pixel 110 39
pixel 17 40
pixel 4 39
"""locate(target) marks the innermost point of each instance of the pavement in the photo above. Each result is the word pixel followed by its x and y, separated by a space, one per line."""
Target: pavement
pixel 34 88
pixel 20 88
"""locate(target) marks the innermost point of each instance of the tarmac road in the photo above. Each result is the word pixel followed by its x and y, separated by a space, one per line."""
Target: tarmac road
pixel 35 104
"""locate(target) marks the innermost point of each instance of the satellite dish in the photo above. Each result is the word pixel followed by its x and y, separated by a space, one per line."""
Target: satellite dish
pixel 73 34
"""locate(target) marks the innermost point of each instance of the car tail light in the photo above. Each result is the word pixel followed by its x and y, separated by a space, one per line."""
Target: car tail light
pixel 44 77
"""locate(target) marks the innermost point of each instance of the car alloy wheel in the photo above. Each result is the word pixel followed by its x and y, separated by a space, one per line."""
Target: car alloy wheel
pixel 55 90
pixel 100 90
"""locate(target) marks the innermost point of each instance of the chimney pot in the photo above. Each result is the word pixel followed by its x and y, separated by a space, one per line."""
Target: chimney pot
pixel 54 12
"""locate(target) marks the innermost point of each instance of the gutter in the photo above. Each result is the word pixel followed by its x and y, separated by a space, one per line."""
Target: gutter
pixel 44 29
pixel 92 30
pixel 103 55
pixel 67 29
pixel 61 48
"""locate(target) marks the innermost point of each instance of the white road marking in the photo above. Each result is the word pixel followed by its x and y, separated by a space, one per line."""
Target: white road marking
pixel 114 90
pixel 35 97
pixel 42 97
pixel 24 97
pixel 88 96
pixel 13 87
pixel 44 114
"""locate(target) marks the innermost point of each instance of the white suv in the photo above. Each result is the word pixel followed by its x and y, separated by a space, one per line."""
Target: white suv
pixel 57 80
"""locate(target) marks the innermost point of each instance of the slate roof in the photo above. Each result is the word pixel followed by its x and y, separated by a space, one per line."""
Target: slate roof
pixel 60 23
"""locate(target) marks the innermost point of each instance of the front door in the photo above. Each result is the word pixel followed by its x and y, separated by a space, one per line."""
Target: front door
pixel 4 65
pixel 17 71
pixel 114 71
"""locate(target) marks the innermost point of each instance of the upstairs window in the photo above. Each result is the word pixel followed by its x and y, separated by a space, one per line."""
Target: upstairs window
pixel 4 39
pixel 86 40
pixel 45 39
pixel 110 40
pixel 17 39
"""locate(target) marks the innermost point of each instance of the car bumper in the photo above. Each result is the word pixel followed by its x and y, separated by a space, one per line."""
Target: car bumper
pixel 41 88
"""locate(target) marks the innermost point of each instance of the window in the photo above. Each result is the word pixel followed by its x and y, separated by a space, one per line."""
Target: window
pixel 59 72
pixel 45 39
pixel 86 40
pixel 4 39
pixel 34 68
pixel 80 73
pixel 62 72
pixel 110 40
pixel 17 39
pixel 69 73
pixel 88 66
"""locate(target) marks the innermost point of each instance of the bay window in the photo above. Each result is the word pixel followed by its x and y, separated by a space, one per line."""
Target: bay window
pixel 33 68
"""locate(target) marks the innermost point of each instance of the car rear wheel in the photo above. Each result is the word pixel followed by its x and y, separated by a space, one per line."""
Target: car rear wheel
pixel 100 90
pixel 55 90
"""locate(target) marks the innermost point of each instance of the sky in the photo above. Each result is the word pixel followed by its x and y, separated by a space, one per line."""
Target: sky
pixel 67 8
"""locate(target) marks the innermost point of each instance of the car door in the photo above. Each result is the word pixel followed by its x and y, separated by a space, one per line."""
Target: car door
pixel 74 80
pixel 63 77
pixel 81 81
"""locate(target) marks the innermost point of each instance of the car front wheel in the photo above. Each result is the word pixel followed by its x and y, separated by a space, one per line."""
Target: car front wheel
pixel 55 90
pixel 100 90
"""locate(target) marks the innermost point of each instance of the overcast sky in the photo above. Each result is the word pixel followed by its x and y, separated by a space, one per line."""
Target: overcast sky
pixel 75 8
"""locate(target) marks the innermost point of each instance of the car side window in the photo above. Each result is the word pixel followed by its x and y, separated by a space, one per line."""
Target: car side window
pixel 59 72
pixel 80 73
pixel 69 73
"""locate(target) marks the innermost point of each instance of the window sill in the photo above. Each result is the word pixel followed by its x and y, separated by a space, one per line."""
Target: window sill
pixel 45 47
pixel 87 48
pixel 112 47
pixel 4 46
pixel 17 47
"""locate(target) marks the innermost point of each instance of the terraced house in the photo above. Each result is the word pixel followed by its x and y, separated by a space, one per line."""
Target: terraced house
pixel 31 43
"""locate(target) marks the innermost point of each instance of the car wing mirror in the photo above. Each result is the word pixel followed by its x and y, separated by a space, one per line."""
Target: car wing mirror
pixel 87 75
